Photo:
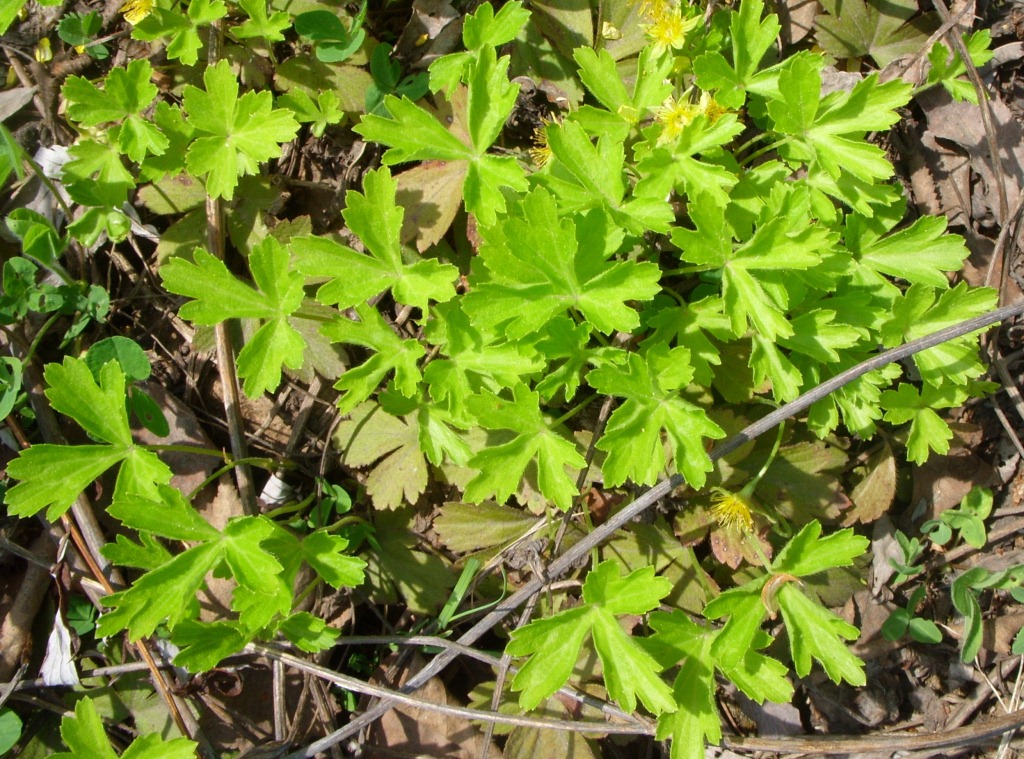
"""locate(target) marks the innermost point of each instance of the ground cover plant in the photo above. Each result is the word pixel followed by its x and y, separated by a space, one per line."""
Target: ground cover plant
pixel 575 247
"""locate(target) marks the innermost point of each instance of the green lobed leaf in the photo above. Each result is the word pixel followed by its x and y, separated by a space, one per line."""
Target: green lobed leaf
pixel 309 633
pixel 53 475
pixel 807 553
pixel 484 28
pixel 553 643
pixel 126 92
pixel 251 565
pixel 653 415
pixel 205 644
pixel 84 734
pixel 166 593
pixel 569 276
pixel 171 517
pixel 391 353
pixel 259 24
pixel 412 134
pixel 928 431
pixel 816 633
pixel 923 310
pixel 354 277
pixel 219 296
pixel 501 467
pixel 326 554
pixel 243 132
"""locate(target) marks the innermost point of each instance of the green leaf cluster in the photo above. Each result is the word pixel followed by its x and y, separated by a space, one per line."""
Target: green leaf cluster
pixel 631 665
pixel 706 227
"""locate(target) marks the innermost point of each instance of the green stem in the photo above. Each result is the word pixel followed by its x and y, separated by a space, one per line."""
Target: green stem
pixel 750 143
pixel 38 338
pixel 766 149
pixel 573 411
pixel 315 317
pixel 748 489
pixel 695 269
pixel 345 521
pixel 195 449
pixel 305 592
pixel 249 461
pixel 290 508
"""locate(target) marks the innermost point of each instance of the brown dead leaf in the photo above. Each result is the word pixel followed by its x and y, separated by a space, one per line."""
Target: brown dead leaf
pixel 797 19
pixel 732 547
pixel 961 124
pixel 998 633
pixel 530 743
pixel 407 731
pixel 190 469
pixel 217 506
pixel 431 194
pixel 942 482
pixel 873 495
pixel 434 29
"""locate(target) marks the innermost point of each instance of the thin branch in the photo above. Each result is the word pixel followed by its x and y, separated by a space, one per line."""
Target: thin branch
pixel 225 345
pixel 392 697
pixel 818 745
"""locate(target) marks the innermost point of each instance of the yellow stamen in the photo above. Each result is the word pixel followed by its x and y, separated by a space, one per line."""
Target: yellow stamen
pixel 732 511
pixel 674 116
pixel 541 151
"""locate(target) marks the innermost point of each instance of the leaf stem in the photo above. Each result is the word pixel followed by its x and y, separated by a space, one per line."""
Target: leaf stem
pixel 766 149
pixel 750 143
pixel 573 411
pixel 39 337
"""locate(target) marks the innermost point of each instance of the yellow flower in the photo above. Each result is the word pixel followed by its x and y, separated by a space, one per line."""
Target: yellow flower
pixel 711 107
pixel 541 151
pixel 732 511
pixel 668 28
pixel 674 116
pixel 136 10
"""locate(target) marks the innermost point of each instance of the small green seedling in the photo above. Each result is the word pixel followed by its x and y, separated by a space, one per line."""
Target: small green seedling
pixel 968 518
pixel 913 551
pixel 79 30
pixel 334 41
pixel 388 80
pixel 903 622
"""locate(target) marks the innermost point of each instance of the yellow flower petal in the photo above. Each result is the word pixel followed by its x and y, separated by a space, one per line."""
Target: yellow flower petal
pixel 43 50
pixel 136 10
